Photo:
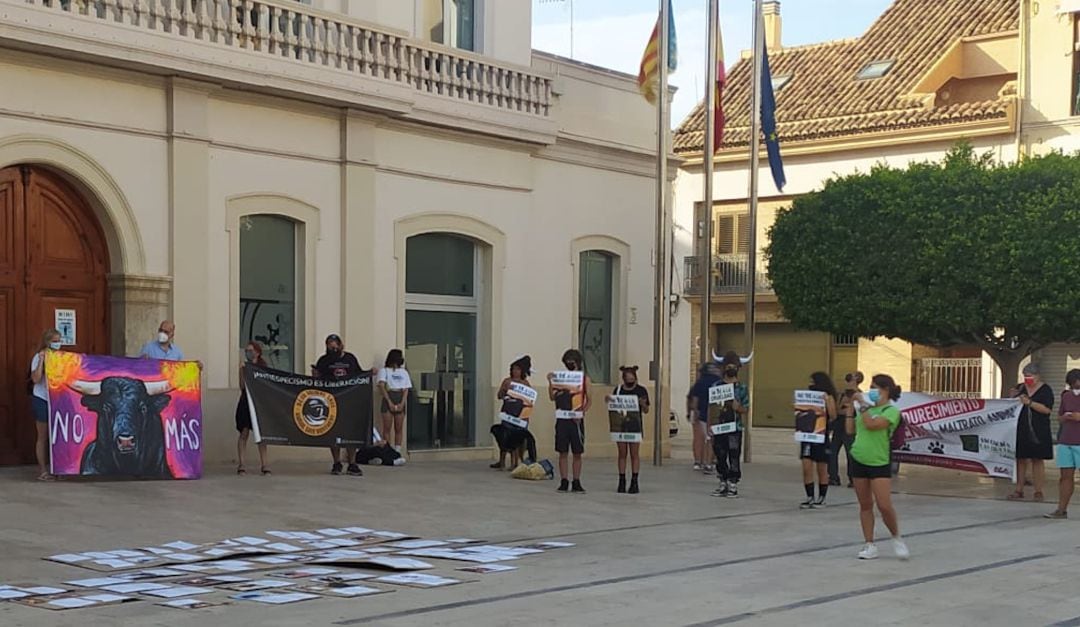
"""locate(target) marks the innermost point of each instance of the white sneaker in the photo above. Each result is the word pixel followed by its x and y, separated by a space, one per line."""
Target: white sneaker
pixel 900 548
pixel 869 552
pixel 397 448
pixel 697 465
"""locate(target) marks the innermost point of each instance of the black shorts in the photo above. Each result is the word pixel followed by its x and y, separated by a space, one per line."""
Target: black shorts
pixel 817 452
pixel 570 436
pixel 862 471
pixel 396 396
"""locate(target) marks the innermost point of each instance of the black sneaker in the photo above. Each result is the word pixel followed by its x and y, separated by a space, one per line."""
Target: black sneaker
pixel 336 468
pixel 354 471
pixel 564 486
pixel 577 489
pixel 733 491
pixel 722 490
pixel 807 504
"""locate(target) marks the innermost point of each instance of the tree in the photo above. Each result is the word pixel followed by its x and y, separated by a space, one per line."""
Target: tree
pixel 967 251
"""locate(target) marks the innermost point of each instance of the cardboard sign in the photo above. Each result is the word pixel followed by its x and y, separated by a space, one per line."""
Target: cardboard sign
pixel 569 385
pixel 809 398
pixel 624 403
pixel 719 394
pixel 624 418
pixel 523 393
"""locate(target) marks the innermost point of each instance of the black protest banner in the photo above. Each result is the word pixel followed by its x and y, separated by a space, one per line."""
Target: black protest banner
pixel 296 410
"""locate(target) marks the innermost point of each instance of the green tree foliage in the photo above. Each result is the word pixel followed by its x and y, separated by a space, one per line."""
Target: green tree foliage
pixel 967 251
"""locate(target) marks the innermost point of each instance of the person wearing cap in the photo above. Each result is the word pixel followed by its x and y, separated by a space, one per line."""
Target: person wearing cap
pixel 335 365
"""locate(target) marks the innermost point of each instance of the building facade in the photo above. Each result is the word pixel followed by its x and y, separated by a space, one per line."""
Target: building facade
pixel 925 75
pixel 405 173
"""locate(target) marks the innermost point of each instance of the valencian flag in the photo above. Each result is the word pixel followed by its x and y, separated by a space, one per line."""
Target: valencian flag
pixel 718 99
pixel 649 75
pixel 768 123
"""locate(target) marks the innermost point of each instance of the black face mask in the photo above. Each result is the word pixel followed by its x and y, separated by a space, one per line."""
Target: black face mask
pixel 333 352
pixel 731 372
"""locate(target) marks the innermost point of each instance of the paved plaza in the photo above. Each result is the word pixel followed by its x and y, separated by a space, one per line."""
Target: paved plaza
pixel 672 555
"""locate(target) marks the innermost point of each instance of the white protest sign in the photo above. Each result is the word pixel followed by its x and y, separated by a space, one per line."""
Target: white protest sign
pixel 723 427
pixel 722 393
pixel 513 420
pixel 573 382
pixel 623 403
pixel 522 392
pixel 624 417
pixel 810 398
pixel 809 438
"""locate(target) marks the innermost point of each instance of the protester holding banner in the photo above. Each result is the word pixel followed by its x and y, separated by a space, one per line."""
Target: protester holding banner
pixel 871 452
pixel 1068 443
pixel 813 413
pixel 839 437
pixel 727 443
pixel 39 399
pixel 569 389
pixel 336 365
pixel 511 432
pixel 394 386
pixel 631 425
pixel 1033 440
pixel 252 355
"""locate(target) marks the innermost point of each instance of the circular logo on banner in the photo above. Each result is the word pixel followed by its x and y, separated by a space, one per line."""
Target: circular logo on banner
pixel 315 412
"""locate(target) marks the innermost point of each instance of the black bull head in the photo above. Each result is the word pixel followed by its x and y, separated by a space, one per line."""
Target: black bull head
pixel 130 439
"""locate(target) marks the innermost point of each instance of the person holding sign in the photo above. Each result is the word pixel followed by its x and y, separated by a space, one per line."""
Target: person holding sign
pixel 628 404
pixel 335 365
pixel 39 400
pixel 1034 444
pixel 815 408
pixel 394 386
pixel 512 431
pixel 878 418
pixel 252 355
pixel 729 402
pixel 569 389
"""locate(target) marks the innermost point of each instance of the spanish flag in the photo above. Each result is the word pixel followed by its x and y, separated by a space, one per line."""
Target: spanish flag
pixel 649 75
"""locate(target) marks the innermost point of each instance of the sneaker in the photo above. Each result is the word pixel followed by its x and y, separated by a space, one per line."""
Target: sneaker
pixel 564 486
pixel 1056 515
pixel 834 482
pixel 354 471
pixel 900 548
pixel 397 447
pixel 707 468
pixel 733 490
pixel 399 461
pixel 869 552
pixel 634 489
pixel 722 490
pixel 807 504
pixel 697 465
pixel 336 468
pixel 576 488
pixel 820 502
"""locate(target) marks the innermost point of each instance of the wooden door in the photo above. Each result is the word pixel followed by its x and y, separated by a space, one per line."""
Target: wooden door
pixel 53 256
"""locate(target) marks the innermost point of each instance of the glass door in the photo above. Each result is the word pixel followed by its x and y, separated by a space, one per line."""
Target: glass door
pixel 440 351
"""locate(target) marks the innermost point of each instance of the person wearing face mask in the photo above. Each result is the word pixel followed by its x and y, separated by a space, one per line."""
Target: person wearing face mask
pixel 697 412
pixel 629 386
pixel 163 347
pixel 336 365
pixel 727 447
pixel 816 420
pixel 570 431
pixel 1068 448
pixel 39 400
pixel 873 425
pixel 252 355
pixel 840 438
pixel 1033 440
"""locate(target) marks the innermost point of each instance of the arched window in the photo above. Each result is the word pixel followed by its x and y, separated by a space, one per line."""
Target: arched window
pixel 268 287
pixel 595 305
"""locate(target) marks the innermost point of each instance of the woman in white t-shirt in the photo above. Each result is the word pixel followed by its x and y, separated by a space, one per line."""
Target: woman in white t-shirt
pixel 39 400
pixel 394 384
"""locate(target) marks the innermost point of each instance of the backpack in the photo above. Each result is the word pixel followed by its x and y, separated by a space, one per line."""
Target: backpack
pixel 898 440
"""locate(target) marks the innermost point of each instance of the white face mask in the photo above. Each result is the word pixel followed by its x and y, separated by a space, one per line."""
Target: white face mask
pixel 57 346
pixel 162 337
pixel 1076 391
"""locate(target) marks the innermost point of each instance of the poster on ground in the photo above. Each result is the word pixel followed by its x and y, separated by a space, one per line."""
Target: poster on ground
pixel 114 416
pixel 973 435
pixel 298 410
pixel 624 417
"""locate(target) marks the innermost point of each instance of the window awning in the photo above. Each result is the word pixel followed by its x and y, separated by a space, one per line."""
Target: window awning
pixel 1069 6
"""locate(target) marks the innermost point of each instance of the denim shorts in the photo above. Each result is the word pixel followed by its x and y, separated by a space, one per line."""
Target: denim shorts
pixel 40 409
pixel 1068 456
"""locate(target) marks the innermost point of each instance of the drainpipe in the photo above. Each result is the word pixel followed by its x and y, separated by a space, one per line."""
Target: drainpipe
pixel 1021 79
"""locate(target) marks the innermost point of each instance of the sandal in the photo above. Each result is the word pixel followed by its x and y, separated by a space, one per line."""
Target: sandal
pixel 46 477
pixel 265 471
pixel 240 470
pixel 1016 495
pixel 1038 497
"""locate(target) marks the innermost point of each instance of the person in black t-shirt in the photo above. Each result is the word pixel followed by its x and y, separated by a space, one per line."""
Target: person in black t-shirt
pixel 335 365
pixel 633 449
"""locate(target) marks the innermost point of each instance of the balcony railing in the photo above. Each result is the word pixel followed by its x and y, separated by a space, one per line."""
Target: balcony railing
pixel 729 275
pixel 318 40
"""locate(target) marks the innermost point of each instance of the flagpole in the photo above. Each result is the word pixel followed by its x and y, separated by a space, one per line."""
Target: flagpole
pixel 751 266
pixel 705 343
pixel 661 257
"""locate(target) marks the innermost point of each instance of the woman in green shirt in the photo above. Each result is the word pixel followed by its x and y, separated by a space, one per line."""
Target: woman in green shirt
pixel 873 427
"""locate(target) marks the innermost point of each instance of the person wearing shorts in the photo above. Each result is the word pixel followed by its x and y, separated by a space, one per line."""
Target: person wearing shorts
pixel 1068 448
pixel 51 340
pixel 394 386
pixel 871 469
pixel 697 413
pixel 570 431
pixel 816 420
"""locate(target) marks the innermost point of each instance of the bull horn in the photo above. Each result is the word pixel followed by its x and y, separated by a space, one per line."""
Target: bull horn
pixel 746 360
pixel 89 388
pixel 716 358
pixel 154 388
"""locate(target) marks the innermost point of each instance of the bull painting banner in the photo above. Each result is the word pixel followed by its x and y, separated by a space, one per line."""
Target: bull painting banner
pixel 114 416
pixel 974 435
pixel 298 410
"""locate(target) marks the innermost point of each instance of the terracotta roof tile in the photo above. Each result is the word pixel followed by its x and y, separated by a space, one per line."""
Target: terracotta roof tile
pixel 824 99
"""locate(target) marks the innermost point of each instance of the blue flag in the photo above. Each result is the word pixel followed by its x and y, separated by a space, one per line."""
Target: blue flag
pixel 768 124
